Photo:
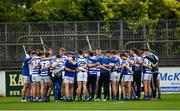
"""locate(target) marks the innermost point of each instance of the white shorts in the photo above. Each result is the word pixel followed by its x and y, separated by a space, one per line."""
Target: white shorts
pixel 63 73
pixel 26 79
pixel 127 78
pixel 146 76
pixel 98 74
pixel 45 79
pixel 115 76
pixel 158 77
pixel 36 78
pixel 68 79
pixel 82 76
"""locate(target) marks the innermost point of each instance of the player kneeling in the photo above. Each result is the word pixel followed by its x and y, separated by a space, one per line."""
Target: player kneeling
pixel 127 78
pixel 70 71
pixel 46 84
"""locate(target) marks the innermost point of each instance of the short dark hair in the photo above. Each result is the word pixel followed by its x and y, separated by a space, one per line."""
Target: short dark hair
pixel 47 54
pixel 34 52
pixel 113 52
pixel 123 55
pixel 146 49
pixel 80 52
pixel 108 51
pixel 91 54
pixel 29 52
pixel 58 56
pixel 135 50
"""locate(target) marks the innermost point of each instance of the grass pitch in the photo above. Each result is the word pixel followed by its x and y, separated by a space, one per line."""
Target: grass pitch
pixel 168 102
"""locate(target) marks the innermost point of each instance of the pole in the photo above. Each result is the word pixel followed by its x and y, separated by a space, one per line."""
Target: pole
pixel 90 48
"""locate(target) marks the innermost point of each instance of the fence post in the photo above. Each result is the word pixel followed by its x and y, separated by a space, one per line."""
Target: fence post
pixel 168 45
pixel 75 25
pixel 98 26
pixel 144 33
pixel 6 39
pixel 121 36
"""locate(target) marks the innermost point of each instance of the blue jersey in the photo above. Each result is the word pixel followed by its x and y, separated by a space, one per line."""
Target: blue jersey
pixel 134 68
pixel 116 62
pixel 98 58
pixel 71 66
pixel 92 70
pixel 104 60
pixel 146 70
pixel 43 64
pixel 25 67
pixel 36 69
pixel 125 71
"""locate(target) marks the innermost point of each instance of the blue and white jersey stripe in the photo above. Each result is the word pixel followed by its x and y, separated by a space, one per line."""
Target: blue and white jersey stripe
pixel 36 69
pixel 93 70
pixel 81 61
pixel 59 66
pixel 43 64
pixel 125 71
pixel 146 70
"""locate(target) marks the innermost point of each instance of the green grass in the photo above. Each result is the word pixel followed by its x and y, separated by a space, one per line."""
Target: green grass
pixel 168 102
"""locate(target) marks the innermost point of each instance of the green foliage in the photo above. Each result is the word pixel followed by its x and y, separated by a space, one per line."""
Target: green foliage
pixel 80 10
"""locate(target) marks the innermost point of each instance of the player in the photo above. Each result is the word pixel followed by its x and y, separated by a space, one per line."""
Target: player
pixel 58 67
pixel 115 75
pixel 92 75
pixel 26 78
pixel 70 71
pixel 104 78
pixel 127 77
pixel 146 74
pixel 82 76
pixel 63 59
pixel 46 83
pixel 136 85
pixel 98 55
pixel 35 75
pixel 155 71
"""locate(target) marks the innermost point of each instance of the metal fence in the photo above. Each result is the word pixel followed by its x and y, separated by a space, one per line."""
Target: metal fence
pixel 160 36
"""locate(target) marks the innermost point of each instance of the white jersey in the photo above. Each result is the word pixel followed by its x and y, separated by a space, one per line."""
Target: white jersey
pixel 146 70
pixel 30 67
pixel 81 61
pixel 63 58
pixel 36 69
pixel 59 68
pixel 93 70
pixel 43 64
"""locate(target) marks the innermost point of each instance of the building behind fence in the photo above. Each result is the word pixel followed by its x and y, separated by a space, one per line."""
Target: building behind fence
pixel 163 37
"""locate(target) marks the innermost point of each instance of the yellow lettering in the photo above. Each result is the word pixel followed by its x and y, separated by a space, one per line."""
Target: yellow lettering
pixel 20 80
pixel 17 92
pixel 13 93
pixel 13 79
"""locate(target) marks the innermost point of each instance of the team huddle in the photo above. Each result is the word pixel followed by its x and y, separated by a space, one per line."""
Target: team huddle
pixel 83 76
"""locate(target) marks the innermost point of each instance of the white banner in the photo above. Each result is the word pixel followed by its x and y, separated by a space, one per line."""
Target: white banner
pixel 170 79
pixel 2 83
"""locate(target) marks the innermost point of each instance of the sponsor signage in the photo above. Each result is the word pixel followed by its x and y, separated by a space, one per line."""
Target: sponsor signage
pixel 170 79
pixel 14 83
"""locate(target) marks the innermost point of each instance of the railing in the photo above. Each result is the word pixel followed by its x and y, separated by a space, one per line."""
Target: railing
pixel 111 35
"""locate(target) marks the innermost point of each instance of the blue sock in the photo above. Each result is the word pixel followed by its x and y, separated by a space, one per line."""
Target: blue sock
pixel 145 96
pixel 47 98
pixel 150 96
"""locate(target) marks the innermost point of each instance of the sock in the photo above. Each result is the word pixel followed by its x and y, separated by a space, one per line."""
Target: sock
pixel 145 96
pixel 23 97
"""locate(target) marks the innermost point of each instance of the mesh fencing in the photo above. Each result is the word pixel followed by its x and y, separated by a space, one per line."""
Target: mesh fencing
pixel 111 35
